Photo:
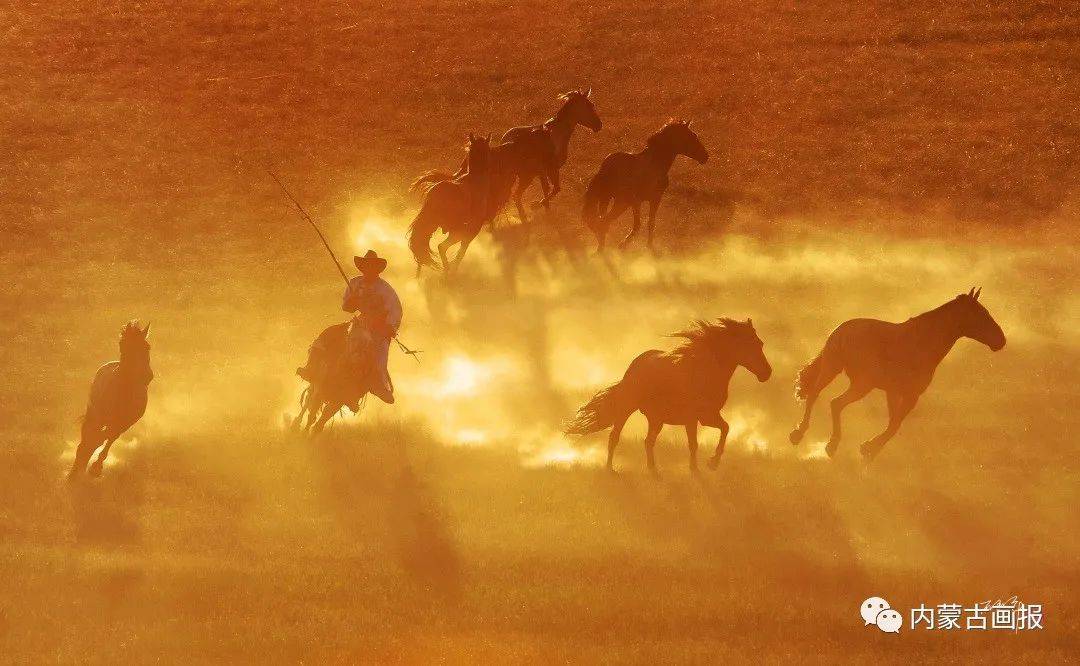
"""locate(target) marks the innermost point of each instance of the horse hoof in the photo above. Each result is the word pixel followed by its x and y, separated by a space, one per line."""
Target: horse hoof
pixel 868 453
pixel 95 469
pixel 714 462
pixel 795 436
pixel 830 448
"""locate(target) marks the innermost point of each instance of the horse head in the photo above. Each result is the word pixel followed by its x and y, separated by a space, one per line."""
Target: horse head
pixel 677 137
pixel 746 347
pixel 478 148
pixel 731 341
pixel 578 108
pixel 135 349
pixel 975 321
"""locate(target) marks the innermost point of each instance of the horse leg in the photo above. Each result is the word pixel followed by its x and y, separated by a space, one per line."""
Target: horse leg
pixel 97 465
pixel 636 209
pixel 855 391
pixel 613 440
pixel 825 375
pixel 691 441
pixel 462 249
pixel 523 184
pixel 604 221
pixel 650 443
pixel 444 247
pixel 899 407
pixel 724 428
pixel 89 441
pixel 324 416
pixel 650 224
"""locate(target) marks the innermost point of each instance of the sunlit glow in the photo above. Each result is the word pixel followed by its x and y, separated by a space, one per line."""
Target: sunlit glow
pixel 461 376
pixel 470 437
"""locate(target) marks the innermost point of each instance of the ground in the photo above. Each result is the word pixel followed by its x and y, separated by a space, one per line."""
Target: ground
pixel 870 160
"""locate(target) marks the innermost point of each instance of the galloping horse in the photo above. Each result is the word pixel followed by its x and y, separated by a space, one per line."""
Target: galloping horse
pixel 344 383
pixel 900 359
pixel 117 399
pixel 548 154
pixel 626 180
pixel 506 164
pixel 686 386
pixel 456 206
pixel 577 109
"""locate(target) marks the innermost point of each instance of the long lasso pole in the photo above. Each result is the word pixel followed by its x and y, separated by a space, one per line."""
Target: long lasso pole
pixel 415 353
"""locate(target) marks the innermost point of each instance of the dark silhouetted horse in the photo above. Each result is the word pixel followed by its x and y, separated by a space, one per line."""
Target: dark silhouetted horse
pixel 899 359
pixel 117 399
pixel 457 206
pixel 507 163
pixel 686 386
pixel 577 109
pixel 547 148
pixel 344 381
pixel 626 180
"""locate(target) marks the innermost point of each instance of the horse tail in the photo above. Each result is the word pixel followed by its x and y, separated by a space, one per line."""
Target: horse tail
pixel 590 211
pixel 807 377
pixel 602 411
pixel 420 232
pixel 820 371
pixel 428 180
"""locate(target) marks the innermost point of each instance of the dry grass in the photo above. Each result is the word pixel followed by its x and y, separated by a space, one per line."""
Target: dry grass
pixel 869 160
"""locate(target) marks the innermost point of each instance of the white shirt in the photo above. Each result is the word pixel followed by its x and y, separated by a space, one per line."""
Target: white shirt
pixel 378 291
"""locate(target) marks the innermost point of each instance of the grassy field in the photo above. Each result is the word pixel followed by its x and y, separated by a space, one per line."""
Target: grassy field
pixel 867 160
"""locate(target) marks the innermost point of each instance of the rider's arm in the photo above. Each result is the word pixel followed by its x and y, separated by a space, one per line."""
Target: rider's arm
pixel 350 300
pixel 393 308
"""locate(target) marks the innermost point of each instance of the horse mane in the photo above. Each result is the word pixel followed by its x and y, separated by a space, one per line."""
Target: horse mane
pixel 699 334
pixel 131 329
pixel 672 122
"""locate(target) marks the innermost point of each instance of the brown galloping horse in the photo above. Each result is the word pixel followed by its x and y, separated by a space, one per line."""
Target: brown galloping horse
pixel 117 399
pixel 899 359
pixel 344 382
pixel 577 109
pixel 528 154
pixel 457 206
pixel 686 386
pixel 548 154
pixel 626 180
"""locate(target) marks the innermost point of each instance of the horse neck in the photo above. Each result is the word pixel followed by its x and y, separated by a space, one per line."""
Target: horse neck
pixel 562 128
pixel 660 155
pixel 132 368
pixel 719 368
pixel 936 332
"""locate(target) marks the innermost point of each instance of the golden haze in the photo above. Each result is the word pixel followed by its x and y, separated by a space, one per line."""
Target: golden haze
pixel 867 160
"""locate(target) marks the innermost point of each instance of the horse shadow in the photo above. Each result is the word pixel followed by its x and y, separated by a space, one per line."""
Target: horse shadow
pixel 108 512
pixel 371 483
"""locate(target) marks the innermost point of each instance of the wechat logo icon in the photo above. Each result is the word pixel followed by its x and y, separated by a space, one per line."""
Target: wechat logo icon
pixel 878 612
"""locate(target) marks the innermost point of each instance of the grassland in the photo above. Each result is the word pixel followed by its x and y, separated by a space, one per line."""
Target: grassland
pixel 868 160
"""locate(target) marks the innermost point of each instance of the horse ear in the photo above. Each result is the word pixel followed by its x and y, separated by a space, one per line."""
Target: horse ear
pixel 976 293
pixel 146 331
pixel 588 93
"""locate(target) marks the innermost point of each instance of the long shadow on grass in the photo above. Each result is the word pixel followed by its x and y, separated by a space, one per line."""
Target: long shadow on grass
pixel 367 473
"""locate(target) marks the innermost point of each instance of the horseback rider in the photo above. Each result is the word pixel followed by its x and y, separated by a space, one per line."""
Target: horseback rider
pixel 377 317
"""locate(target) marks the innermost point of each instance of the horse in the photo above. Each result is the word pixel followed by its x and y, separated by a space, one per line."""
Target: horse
pixel 457 206
pixel 117 399
pixel 549 154
pixel 898 358
pixel 577 109
pixel 687 386
pixel 343 383
pixel 506 164
pixel 626 180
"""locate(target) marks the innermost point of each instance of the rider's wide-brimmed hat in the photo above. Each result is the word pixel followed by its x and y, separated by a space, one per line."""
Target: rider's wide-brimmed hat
pixel 370 262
